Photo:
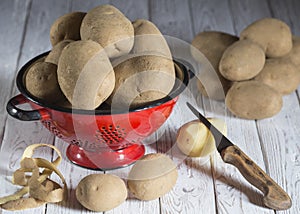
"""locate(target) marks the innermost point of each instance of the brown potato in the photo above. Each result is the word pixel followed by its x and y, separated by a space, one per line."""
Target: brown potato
pixel 212 44
pixel 152 176
pixel 85 74
pixel 148 39
pixel 242 60
pixel 142 79
pixel 106 25
pixel 253 100
pixel 41 81
pixel 54 54
pixel 273 35
pixel 280 74
pixel 101 192
pixel 66 27
pixel 294 54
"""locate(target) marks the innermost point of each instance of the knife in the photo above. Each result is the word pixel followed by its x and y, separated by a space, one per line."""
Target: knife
pixel 274 196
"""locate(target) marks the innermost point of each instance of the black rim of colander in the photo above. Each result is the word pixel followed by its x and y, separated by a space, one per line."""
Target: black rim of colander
pixel 179 86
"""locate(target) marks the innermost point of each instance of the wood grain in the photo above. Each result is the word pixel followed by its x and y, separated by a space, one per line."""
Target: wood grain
pixel 205 185
pixel 274 196
pixel 11 37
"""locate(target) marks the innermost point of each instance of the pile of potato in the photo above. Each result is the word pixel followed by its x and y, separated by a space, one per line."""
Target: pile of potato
pixel 151 177
pixel 254 70
pixel 101 56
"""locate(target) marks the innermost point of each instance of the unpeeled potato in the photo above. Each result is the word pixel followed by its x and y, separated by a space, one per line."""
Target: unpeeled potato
pixel 66 27
pixel 101 192
pixel 152 176
pixel 109 27
pixel 85 74
pixel 195 140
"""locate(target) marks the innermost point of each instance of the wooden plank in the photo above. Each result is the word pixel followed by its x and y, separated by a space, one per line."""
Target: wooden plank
pixel 17 137
pixel 280 141
pixel 37 39
pixel 211 15
pixel 246 12
pixel 233 193
pixel 73 174
pixel 77 5
pixel 280 134
pixel 133 9
pixel 193 191
pixel 12 23
pixel 172 18
pixel 20 134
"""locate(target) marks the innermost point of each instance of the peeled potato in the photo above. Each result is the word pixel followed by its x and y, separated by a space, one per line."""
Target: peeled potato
pixel 195 140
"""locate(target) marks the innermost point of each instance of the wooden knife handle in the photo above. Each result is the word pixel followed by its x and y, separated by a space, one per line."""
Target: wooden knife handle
pixel 274 196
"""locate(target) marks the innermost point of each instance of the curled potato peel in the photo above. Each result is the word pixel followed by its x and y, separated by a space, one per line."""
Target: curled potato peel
pixel 40 188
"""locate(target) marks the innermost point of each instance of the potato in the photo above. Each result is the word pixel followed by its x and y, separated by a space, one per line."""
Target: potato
pixel 152 176
pixel 273 35
pixel 41 81
pixel 142 79
pixel 54 54
pixel 242 60
pixel 106 25
pixel 212 44
pixel 85 74
pixel 253 100
pixel 294 54
pixel 101 192
pixel 148 39
pixel 66 27
pixel 280 74
pixel 195 140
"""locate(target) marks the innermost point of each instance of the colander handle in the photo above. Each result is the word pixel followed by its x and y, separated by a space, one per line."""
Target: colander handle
pixel 24 115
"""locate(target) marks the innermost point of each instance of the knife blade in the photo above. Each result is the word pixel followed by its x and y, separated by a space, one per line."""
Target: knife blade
pixel 274 196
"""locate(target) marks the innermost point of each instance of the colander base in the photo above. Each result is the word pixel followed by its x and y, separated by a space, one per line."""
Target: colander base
pixel 106 160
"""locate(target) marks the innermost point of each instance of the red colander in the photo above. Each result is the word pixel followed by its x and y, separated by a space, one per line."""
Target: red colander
pixel 99 139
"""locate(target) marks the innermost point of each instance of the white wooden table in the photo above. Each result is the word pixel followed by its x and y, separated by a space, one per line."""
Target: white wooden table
pixel 204 185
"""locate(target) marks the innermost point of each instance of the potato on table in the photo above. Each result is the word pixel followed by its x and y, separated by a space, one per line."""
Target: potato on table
pixel 152 176
pixel 148 39
pixel 41 81
pixel 85 74
pixel 253 100
pixel 212 44
pixel 66 27
pixel 142 79
pixel 101 192
pixel 242 60
pixel 280 74
pixel 195 140
pixel 273 35
pixel 106 25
